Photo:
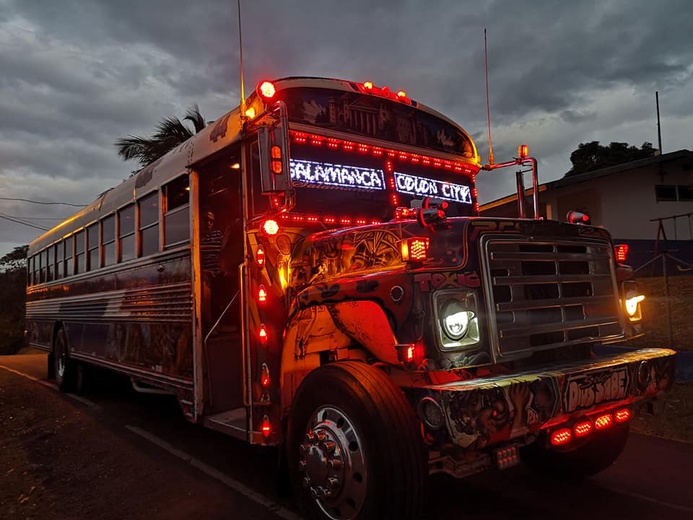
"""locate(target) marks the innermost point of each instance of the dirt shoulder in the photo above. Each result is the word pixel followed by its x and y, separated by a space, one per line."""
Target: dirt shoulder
pixel 60 460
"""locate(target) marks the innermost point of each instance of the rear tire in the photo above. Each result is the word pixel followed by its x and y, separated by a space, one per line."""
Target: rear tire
pixel 600 452
pixel 354 446
pixel 65 369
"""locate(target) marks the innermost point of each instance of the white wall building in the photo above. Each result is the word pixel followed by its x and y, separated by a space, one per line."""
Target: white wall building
pixel 626 199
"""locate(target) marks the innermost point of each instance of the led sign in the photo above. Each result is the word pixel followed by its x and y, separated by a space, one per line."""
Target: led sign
pixel 343 176
pixel 423 187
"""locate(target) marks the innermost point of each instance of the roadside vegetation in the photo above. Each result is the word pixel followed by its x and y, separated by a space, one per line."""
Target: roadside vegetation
pixel 12 298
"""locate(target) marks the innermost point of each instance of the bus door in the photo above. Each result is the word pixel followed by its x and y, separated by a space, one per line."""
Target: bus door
pixel 221 255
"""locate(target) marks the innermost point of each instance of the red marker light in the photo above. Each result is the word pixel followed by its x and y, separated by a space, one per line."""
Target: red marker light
pixel 368 85
pixel 265 376
pixel 266 427
pixel 266 90
pixel 622 415
pixel 262 294
pixel 621 252
pixel 582 429
pixel 260 257
pixel 603 421
pixel 270 227
pixel 560 437
pixel 263 334
pixel 401 94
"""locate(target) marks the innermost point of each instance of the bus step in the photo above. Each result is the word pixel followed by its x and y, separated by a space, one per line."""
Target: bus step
pixel 231 422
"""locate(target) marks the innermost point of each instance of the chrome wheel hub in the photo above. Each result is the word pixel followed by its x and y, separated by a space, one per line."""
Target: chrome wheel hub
pixel 332 463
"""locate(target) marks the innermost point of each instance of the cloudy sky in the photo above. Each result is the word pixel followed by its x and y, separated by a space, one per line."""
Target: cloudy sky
pixel 75 75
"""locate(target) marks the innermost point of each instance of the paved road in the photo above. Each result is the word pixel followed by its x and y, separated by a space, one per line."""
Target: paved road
pixel 650 481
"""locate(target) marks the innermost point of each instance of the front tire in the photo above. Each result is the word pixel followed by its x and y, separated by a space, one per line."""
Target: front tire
pixel 355 447
pixel 64 368
pixel 597 454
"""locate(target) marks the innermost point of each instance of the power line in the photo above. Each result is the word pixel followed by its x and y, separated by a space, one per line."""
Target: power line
pixel 45 203
pixel 24 223
pixel 34 218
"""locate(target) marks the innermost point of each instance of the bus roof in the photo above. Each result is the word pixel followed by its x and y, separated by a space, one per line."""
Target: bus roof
pixel 218 135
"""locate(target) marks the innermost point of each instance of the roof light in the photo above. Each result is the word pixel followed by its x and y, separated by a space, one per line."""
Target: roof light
pixel 266 90
pixel 270 227
pixel 562 436
pixel 523 151
pixel 401 94
pixel 368 85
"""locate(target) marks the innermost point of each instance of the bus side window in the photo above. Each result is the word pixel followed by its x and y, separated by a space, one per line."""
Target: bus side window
pixel 69 252
pixel 126 232
pixel 92 247
pixel 59 260
pixel 50 265
pixel 80 253
pixel 177 212
pixel 108 240
pixel 149 224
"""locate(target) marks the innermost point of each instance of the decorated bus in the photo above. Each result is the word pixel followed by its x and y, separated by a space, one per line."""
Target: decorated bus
pixel 310 272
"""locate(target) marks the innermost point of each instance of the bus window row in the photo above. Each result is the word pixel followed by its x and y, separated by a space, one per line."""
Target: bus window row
pixel 133 231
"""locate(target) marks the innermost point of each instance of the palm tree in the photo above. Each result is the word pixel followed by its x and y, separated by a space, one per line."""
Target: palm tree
pixel 170 132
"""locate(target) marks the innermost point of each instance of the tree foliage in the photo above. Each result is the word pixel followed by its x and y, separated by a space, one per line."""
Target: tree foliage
pixel 13 290
pixel 169 133
pixel 593 156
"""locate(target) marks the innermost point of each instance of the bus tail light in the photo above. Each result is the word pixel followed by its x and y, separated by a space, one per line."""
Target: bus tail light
pixel 561 437
pixel 414 249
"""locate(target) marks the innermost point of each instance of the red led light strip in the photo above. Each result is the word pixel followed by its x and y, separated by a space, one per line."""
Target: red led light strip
pixel 349 146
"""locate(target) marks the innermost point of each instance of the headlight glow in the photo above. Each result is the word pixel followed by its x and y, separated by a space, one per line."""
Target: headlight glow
pixel 632 304
pixel 456 312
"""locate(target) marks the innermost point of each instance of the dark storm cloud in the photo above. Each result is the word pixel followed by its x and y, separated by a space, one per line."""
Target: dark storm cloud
pixel 76 75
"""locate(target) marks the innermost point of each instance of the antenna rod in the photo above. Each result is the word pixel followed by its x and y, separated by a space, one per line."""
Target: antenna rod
pixel 488 108
pixel 240 47
pixel 659 127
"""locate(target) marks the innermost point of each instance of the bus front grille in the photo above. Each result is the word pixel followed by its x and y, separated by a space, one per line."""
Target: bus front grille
pixel 546 293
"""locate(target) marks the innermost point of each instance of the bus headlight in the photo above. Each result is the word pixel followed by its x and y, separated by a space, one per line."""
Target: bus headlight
pixel 456 313
pixel 632 299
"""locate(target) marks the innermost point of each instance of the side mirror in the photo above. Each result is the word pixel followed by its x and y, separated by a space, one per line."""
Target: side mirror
pixel 273 144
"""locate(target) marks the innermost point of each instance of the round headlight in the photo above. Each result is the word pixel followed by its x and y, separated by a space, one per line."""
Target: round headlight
pixel 456 318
